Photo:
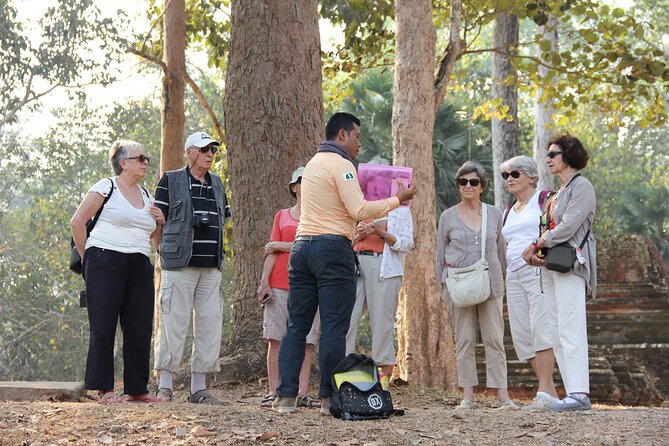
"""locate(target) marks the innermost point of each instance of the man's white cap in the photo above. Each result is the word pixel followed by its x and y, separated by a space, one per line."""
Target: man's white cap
pixel 200 139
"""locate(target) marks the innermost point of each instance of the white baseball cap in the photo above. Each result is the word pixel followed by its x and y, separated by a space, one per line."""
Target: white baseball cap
pixel 297 174
pixel 200 139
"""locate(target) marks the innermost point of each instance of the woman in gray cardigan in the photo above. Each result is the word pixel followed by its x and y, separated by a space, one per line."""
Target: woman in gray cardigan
pixel 459 245
pixel 568 217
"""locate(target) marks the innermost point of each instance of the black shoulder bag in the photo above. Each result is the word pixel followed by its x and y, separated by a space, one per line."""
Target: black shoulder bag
pixel 75 258
pixel 561 257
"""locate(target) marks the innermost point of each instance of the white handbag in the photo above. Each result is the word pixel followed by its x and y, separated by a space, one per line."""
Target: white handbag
pixel 471 285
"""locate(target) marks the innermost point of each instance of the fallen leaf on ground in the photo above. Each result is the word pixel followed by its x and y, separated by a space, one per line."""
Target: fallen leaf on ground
pixel 181 431
pixel 105 439
pixel 266 436
pixel 199 431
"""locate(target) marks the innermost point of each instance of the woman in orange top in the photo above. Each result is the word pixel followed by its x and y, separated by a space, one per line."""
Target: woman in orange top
pixel 273 295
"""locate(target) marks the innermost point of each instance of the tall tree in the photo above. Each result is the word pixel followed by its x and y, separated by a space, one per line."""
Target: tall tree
pixel 505 138
pixel 273 123
pixel 174 58
pixel 544 110
pixel 426 354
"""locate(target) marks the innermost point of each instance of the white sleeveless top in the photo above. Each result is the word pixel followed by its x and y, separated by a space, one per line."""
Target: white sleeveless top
pixel 122 227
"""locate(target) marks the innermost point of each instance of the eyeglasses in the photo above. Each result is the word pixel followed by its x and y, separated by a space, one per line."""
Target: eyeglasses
pixel 553 154
pixel 513 174
pixel 205 149
pixel 140 158
pixel 473 181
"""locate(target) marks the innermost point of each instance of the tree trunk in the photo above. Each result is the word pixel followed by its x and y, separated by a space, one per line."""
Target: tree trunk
pixel 543 111
pixel 426 352
pixel 273 123
pixel 504 85
pixel 173 117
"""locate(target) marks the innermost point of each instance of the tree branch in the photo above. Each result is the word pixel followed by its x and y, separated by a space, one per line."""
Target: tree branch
pixel 149 57
pixel 454 50
pixel 206 106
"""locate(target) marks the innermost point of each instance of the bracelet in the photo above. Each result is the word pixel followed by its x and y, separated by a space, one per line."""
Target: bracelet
pixel 383 237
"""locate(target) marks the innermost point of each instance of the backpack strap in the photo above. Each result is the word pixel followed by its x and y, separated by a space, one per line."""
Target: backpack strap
pixel 99 212
pixel 507 210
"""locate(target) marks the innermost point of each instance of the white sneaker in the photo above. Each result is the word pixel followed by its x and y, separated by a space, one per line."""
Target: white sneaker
pixel 540 402
pixel 466 405
pixel 507 405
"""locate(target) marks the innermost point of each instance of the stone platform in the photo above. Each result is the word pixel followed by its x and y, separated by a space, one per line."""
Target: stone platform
pixel 41 391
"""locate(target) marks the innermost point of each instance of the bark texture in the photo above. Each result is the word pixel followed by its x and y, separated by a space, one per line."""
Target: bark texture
pixel 543 111
pixel 505 140
pixel 273 123
pixel 173 119
pixel 426 353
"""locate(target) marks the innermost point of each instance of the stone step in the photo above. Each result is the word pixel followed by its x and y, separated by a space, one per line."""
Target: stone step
pixel 41 390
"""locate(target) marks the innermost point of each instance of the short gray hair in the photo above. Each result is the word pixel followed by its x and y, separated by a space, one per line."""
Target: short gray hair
pixel 469 167
pixel 525 164
pixel 120 150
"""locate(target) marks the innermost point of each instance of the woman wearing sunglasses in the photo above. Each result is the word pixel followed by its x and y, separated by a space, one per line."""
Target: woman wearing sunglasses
pixel 118 273
pixel 459 245
pixel 531 327
pixel 568 217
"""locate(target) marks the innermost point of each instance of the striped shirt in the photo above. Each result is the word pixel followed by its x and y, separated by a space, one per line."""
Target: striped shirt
pixel 205 238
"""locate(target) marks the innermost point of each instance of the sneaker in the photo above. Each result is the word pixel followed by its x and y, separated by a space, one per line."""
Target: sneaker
pixel 571 402
pixel 466 405
pixel 284 404
pixel 540 402
pixel 506 405
pixel 204 397
pixel 165 394
pixel 326 403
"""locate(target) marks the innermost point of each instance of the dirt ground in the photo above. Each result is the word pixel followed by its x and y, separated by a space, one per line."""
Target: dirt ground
pixel 430 420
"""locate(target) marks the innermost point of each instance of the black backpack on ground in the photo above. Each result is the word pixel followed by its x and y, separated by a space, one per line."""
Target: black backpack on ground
pixel 358 394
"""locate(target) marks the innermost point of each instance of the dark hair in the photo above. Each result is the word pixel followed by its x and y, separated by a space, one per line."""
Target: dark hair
pixel 573 152
pixel 340 121
pixel 290 188
pixel 469 167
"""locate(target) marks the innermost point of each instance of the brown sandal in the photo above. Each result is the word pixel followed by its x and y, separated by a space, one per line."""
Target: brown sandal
pixel 109 397
pixel 268 400
pixel 308 401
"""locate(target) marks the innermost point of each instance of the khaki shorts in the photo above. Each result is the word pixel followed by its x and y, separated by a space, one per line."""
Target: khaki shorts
pixel 275 316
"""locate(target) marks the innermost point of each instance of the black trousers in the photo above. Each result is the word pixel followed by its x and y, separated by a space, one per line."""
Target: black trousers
pixel 118 286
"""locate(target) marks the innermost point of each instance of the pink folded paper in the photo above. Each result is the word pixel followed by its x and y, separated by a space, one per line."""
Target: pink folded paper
pixel 378 181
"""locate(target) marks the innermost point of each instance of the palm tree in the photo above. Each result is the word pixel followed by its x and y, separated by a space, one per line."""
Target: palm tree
pixel 452 145
pixel 645 211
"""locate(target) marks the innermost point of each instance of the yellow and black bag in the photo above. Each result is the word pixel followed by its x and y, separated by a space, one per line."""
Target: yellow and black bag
pixel 358 394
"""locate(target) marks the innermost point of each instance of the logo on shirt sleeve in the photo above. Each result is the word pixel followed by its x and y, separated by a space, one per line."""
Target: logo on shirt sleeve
pixel 348 176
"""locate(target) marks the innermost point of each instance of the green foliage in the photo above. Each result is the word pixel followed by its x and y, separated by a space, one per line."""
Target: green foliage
pixel 454 140
pixel 645 211
pixel 73 47
pixel 207 25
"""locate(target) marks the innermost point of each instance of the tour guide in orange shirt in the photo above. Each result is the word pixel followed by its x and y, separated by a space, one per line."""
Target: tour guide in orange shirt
pixel 322 263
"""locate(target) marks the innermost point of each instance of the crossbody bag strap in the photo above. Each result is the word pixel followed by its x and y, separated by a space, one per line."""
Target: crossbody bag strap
pixel 484 228
pixel 585 239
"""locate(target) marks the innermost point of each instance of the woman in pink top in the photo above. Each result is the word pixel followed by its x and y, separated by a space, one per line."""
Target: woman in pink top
pixel 273 295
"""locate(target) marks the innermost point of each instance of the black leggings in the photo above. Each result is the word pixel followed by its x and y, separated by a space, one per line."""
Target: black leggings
pixel 118 286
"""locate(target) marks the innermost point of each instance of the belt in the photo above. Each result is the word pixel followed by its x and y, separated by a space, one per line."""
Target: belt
pixel 333 237
pixel 368 253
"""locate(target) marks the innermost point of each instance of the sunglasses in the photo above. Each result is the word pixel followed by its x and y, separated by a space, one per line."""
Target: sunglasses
pixel 205 149
pixel 140 158
pixel 513 174
pixel 553 154
pixel 474 182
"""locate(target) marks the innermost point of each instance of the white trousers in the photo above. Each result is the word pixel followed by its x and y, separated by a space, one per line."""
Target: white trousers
pixel 379 296
pixel 186 292
pixel 532 329
pixel 565 301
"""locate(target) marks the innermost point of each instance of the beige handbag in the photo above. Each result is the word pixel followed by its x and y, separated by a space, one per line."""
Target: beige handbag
pixel 471 285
